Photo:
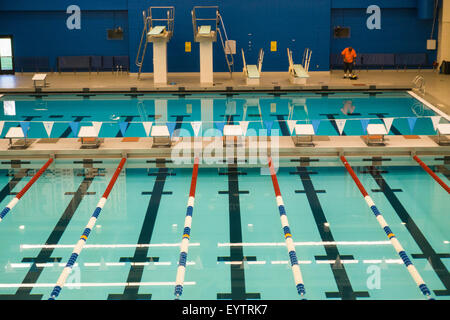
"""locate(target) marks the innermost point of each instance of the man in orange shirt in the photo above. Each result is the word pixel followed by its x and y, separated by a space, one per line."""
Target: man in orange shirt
pixel 348 55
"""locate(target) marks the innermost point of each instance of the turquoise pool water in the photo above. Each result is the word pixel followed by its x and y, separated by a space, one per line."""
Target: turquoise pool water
pixel 137 235
pixel 122 115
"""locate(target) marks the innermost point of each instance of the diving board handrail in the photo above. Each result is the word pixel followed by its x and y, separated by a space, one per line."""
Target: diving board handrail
pixel 432 174
pixel 184 246
pixel 229 57
pixel 260 59
pixel 306 59
pixel 298 279
pixel 82 241
pixel 244 63
pixel 19 195
pixel 392 238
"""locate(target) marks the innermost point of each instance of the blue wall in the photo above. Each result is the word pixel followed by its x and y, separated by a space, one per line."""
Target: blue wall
pixel 39 29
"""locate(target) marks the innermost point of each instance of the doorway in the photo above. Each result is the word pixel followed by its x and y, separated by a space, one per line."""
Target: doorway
pixel 6 55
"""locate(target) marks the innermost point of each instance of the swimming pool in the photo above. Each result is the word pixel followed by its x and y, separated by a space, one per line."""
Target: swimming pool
pixel 261 113
pixel 237 248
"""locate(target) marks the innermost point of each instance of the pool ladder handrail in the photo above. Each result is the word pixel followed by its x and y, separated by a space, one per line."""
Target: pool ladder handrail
pixel 419 82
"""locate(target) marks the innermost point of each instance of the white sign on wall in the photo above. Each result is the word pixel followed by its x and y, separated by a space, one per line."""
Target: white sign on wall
pixel 374 21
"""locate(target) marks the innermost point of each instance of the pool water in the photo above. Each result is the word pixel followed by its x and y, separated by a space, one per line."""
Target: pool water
pixel 237 246
pixel 122 115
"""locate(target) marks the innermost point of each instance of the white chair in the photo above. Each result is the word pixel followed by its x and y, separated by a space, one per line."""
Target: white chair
pixel 302 131
pixel 232 130
pixel 40 77
pixel 161 136
pixel 443 129
pixel 89 137
pixel 17 134
pixel 375 134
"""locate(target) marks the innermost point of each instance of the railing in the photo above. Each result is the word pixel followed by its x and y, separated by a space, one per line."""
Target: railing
pixel 148 25
pixel 419 82
pixel 218 28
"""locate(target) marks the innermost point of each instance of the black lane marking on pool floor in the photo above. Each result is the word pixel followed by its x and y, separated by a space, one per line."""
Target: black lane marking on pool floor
pixel 178 123
pixel 145 237
pixel 128 119
pixel 7 189
pixel 282 124
pixel 44 255
pixel 427 250
pixel 394 130
pixel 340 274
pixel 331 117
pixel 66 132
pixel 238 291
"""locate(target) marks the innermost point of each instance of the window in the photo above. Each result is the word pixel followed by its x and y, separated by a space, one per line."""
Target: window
pixel 341 32
pixel 6 55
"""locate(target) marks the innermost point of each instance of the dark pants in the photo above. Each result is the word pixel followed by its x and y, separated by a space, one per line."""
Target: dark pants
pixel 348 66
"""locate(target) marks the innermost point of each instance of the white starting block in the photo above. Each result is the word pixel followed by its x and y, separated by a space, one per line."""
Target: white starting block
pixel 252 72
pixel 161 136
pixel 17 134
pixel 232 130
pixel 89 137
pixel 42 77
pixel 375 134
pixel 298 74
pixel 443 129
pixel 302 131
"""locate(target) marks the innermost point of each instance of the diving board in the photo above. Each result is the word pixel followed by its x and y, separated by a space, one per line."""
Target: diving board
pixel 252 72
pixel 298 74
pixel 159 34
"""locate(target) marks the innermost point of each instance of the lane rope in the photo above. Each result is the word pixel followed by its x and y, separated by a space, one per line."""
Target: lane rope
pixel 298 279
pixel 184 246
pixel 392 238
pixel 432 174
pixel 80 244
pixel 19 195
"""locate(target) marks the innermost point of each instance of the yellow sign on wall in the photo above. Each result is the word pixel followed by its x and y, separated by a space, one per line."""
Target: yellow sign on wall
pixel 273 46
pixel 187 47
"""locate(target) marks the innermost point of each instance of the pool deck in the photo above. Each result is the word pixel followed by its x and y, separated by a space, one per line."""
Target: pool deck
pixel 325 146
pixel 437 93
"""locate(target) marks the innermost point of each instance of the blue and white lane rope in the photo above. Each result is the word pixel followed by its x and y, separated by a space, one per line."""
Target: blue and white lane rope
pixel 287 234
pixel 186 234
pixel 392 238
pixel 80 244
pixel 20 194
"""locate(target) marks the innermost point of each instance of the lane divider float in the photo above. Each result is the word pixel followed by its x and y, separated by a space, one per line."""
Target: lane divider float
pixel 393 239
pixel 80 244
pixel 287 233
pixel 179 282
pixel 19 195
pixel 432 174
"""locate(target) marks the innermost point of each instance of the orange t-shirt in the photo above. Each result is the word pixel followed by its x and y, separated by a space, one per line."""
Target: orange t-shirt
pixel 348 56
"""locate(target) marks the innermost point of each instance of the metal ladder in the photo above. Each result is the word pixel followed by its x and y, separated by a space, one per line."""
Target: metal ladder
pixel 148 25
pixel 229 58
pixel 306 59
